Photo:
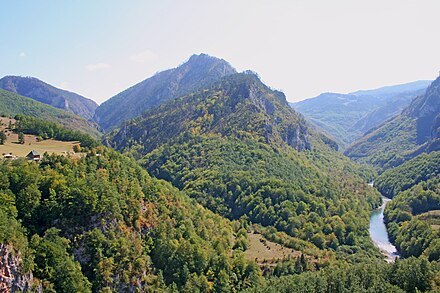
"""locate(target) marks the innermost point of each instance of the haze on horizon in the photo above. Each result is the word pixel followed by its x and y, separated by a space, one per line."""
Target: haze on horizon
pixel 99 48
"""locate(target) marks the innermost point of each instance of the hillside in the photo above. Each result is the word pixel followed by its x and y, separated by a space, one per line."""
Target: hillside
pixel 45 93
pixel 348 116
pixel 401 138
pixel 240 150
pixel 421 168
pixel 12 104
pixel 198 71
pixel 240 103
pixel 101 223
pixel 413 220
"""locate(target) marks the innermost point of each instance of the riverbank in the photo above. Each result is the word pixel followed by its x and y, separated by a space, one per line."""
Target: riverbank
pixel 379 233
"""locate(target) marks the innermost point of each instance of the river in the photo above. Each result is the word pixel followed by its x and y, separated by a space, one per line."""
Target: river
pixel 379 234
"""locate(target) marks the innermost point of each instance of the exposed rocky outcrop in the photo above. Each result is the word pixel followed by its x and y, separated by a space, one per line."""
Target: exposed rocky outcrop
pixel 11 277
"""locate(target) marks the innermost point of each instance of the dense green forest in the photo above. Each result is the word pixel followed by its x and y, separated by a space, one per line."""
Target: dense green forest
pixel 421 168
pixel 102 223
pixel 12 104
pixel 413 219
pixel 409 275
pixel 240 150
pixel 238 178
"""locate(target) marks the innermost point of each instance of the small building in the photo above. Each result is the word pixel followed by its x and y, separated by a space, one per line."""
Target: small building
pixel 8 156
pixel 34 156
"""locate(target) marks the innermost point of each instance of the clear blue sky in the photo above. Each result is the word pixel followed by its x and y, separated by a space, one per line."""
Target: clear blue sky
pixel 98 48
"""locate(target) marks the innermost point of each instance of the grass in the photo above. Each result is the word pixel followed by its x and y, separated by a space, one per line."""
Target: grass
pixel 31 143
pixel 264 251
pixel 432 218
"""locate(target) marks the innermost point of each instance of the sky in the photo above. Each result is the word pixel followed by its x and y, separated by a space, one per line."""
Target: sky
pixel 303 47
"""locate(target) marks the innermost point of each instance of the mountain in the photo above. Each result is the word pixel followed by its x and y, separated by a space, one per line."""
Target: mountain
pixel 243 103
pixel 395 90
pixel 198 71
pixel 403 137
pixel 348 116
pixel 239 149
pixel 45 93
pixel 12 104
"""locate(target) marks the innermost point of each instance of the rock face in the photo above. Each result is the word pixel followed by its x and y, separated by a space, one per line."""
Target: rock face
pixel 198 71
pixel 45 93
pixel 11 279
pixel 426 109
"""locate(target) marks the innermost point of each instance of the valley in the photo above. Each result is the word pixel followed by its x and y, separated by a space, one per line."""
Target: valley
pixel 379 234
pixel 204 179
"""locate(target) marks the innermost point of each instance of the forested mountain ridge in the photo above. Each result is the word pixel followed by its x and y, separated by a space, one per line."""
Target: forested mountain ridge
pixel 198 71
pixel 238 103
pixel 12 104
pixel 348 116
pixel 45 93
pixel 240 150
pixel 401 138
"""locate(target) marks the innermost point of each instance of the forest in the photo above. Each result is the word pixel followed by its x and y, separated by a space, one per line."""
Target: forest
pixel 102 224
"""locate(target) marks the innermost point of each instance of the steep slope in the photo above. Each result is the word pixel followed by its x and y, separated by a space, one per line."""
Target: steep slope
pixel 413 220
pixel 45 93
pixel 412 132
pixel 240 103
pixel 349 116
pixel 101 223
pixel 421 168
pixel 197 72
pixel 240 150
pixel 413 216
pixel 12 104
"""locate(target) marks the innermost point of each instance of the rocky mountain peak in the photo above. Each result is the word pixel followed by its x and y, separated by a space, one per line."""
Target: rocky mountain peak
pixel 199 71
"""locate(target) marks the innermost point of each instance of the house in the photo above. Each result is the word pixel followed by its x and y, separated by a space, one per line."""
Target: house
pixel 34 156
pixel 8 156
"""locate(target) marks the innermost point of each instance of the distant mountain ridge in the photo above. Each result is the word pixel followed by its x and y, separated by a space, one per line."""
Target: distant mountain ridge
pixel 198 71
pixel 403 137
pixel 348 116
pixel 40 91
pixel 12 104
